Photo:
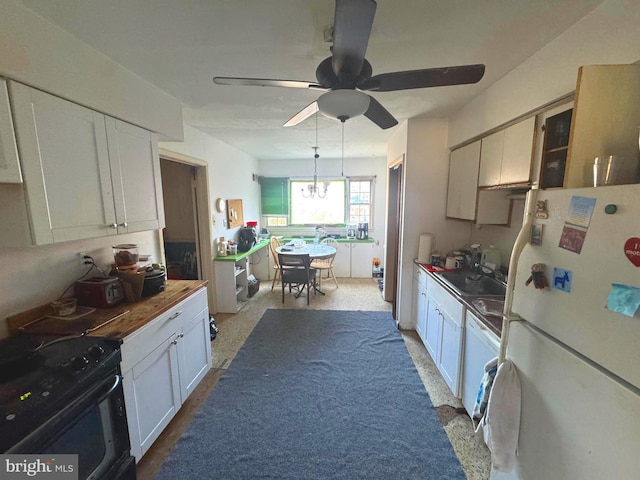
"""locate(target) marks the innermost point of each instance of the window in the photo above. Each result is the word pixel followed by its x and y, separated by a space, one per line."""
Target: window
pixel 329 210
pixel 361 200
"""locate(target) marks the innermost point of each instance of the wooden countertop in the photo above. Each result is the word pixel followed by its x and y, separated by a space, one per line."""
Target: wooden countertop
pixel 118 321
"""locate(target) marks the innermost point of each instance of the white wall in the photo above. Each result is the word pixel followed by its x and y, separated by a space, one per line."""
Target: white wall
pixel 230 176
pixel 44 56
pixel 426 172
pixel 35 276
pixel 608 35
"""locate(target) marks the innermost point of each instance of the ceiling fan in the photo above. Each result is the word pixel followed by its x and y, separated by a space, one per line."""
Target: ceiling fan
pixel 346 74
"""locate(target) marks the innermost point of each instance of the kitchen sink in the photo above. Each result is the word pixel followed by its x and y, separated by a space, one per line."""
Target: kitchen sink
pixel 470 284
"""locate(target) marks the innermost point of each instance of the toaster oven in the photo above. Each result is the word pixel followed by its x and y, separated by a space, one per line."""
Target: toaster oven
pixel 99 292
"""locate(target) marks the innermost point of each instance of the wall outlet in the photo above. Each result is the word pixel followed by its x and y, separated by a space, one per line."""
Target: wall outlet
pixel 83 260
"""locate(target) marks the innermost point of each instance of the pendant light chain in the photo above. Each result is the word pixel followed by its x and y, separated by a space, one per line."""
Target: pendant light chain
pixel 342 173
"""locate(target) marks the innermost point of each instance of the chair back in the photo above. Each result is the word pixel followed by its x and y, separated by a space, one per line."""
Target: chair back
pixel 295 268
pixel 273 244
pixel 331 242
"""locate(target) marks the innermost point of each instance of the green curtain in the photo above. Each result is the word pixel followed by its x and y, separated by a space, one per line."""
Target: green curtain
pixel 274 195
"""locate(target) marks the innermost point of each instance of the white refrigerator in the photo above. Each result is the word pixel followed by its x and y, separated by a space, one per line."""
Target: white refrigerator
pixel 576 343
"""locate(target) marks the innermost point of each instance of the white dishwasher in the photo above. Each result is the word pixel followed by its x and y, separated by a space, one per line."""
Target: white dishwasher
pixel 480 346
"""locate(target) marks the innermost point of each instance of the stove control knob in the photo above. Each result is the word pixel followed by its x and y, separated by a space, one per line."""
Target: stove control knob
pixel 96 351
pixel 78 363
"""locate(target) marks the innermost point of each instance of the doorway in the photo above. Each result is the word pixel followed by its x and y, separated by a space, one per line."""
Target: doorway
pixel 180 237
pixel 186 238
pixel 394 227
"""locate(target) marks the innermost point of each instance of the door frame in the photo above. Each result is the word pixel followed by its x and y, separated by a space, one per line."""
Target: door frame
pixel 395 195
pixel 203 215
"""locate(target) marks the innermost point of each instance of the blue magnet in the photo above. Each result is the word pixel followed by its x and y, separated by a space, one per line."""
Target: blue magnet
pixel 562 279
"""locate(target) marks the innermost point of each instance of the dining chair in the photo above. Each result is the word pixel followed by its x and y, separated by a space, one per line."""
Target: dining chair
pixel 326 263
pixel 274 243
pixel 295 269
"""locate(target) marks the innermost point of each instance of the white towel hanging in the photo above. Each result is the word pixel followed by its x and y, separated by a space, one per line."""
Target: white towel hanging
pixel 501 421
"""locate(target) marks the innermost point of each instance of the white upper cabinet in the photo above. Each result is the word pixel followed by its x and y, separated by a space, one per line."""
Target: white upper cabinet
pixel 135 170
pixel 505 157
pixel 491 159
pixel 85 175
pixel 463 182
pixel 9 164
pixel 518 152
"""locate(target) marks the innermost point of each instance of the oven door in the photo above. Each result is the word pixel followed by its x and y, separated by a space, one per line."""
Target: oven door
pixel 93 426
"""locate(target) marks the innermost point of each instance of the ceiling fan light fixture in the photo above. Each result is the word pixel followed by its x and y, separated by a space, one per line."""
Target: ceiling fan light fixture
pixel 343 104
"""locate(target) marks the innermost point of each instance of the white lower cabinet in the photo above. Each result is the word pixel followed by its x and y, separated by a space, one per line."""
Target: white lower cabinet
pixel 444 333
pixel 420 301
pixel 353 260
pixel 162 363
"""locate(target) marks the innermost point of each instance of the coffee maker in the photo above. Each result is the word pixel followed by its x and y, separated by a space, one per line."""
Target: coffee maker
pixel 363 231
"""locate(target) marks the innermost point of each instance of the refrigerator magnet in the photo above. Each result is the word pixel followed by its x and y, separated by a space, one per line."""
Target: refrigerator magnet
pixel 632 250
pixel 536 235
pixel 562 279
pixel 624 299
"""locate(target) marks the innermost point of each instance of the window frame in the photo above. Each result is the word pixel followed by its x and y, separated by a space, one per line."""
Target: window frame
pixel 372 181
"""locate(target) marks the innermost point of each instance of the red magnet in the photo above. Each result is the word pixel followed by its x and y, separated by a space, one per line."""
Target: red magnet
pixel 632 250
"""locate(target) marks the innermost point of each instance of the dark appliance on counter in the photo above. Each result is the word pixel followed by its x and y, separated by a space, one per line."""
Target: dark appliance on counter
pixel 154 281
pixel 246 239
pixel 66 397
pixel 363 231
pixel 99 292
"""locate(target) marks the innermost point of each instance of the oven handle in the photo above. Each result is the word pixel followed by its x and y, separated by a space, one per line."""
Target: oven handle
pixel 116 382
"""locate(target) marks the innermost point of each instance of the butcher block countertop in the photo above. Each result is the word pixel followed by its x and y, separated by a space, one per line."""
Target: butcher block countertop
pixel 117 322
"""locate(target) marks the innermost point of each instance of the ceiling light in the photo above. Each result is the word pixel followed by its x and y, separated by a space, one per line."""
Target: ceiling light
pixel 343 104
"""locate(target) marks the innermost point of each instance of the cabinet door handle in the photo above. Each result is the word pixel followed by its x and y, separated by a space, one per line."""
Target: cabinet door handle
pixel 175 315
pixel 123 224
pixel 113 225
pixel 175 342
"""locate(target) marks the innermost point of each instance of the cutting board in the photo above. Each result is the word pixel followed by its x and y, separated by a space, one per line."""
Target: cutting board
pixel 50 325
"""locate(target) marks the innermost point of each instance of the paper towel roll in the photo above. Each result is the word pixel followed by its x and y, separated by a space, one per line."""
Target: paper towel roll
pixel 424 250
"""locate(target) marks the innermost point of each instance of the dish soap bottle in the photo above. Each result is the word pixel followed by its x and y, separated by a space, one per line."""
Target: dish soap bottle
pixel 491 258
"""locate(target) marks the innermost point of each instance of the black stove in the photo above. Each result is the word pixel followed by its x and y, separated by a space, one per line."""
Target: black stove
pixel 47 387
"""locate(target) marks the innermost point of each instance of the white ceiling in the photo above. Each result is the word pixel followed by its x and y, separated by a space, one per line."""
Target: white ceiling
pixel 180 45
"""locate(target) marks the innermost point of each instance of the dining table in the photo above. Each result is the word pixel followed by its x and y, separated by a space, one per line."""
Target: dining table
pixel 315 251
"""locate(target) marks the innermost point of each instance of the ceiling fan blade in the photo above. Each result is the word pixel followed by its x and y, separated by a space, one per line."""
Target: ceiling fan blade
pixel 379 115
pixel 302 115
pixel 267 82
pixel 351 31
pixel 429 77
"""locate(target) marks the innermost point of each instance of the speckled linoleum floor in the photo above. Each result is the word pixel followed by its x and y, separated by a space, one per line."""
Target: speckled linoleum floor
pixel 352 294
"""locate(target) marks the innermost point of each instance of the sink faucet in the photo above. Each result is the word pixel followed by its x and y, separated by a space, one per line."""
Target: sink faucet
pixel 482 269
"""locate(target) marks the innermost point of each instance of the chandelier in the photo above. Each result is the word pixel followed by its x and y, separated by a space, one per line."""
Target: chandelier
pixel 313 190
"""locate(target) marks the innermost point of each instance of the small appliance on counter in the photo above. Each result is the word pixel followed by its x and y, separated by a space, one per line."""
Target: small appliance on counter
pixel 154 281
pixel 99 292
pixel 363 231
pixel 246 238
pixel 351 231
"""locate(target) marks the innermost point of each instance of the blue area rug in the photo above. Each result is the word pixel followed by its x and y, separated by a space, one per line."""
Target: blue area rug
pixel 320 395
